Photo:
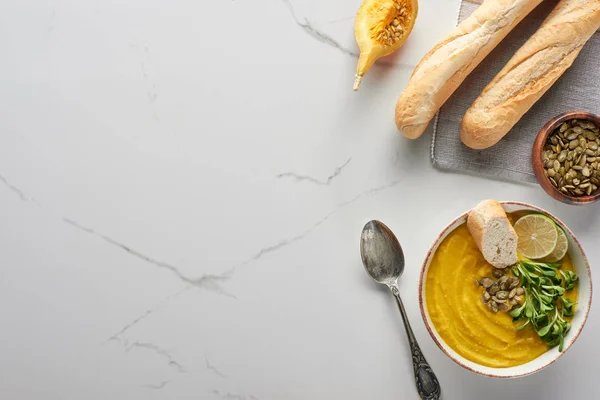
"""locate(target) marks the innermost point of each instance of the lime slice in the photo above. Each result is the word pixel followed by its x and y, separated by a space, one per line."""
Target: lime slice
pixel 537 234
pixel 562 246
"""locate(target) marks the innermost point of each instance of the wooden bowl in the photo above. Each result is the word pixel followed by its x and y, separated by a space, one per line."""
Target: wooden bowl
pixel 538 167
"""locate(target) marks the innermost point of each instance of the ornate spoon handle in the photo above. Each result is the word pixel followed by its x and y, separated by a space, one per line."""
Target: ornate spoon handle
pixel 425 379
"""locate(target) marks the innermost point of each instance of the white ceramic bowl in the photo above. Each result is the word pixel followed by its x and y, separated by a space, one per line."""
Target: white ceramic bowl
pixel 582 268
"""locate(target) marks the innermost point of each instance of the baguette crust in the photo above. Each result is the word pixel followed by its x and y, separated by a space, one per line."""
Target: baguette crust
pixel 493 234
pixel 530 72
pixel 446 66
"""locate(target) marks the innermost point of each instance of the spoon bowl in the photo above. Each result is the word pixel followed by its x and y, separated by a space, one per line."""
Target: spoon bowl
pixel 381 253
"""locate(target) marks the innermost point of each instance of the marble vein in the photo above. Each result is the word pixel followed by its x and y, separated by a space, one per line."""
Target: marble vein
pixel 17 191
pixel 159 386
pixel 284 243
pixel 322 37
pixel 146 314
pixel 158 350
pixel 298 178
pixel 130 325
pixel 233 396
pixel 214 369
pixel 212 282
pixel 316 34
pixel 207 282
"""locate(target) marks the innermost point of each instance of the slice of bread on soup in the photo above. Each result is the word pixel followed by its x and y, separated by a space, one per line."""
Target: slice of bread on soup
pixel 493 233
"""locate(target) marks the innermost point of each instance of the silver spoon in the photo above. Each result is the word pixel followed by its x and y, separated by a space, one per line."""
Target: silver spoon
pixel 383 259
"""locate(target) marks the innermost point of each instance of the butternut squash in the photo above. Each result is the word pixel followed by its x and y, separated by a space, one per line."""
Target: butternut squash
pixel 380 28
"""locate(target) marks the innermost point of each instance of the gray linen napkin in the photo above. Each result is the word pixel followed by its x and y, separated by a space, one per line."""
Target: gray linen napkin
pixel 577 89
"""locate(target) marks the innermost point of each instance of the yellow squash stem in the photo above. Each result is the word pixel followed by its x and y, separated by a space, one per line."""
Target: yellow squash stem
pixel 365 62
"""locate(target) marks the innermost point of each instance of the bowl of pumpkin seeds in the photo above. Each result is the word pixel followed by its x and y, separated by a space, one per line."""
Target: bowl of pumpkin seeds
pixel 566 157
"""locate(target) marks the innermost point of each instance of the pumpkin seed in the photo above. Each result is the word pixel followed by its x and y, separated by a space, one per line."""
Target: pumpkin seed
pixel 562 156
pixel 486 282
pixel 585 171
pixel 569 168
pixel 560 140
pixel 586 124
pixel 485 297
pixel 502 295
pixel 494 306
pixel 497 300
pixel 512 293
pixel 494 289
pixel 563 127
pixel 497 273
pixel 503 307
pixel 520 291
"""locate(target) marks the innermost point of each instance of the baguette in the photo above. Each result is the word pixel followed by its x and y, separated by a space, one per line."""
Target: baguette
pixel 446 66
pixel 530 72
pixel 493 234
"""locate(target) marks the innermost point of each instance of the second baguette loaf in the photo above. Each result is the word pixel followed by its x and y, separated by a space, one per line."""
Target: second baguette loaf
pixel 447 65
pixel 530 72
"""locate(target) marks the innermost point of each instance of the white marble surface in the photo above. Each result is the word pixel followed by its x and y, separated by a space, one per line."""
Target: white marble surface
pixel 183 186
